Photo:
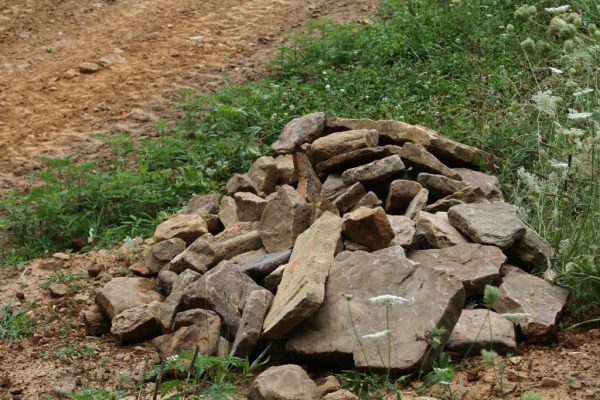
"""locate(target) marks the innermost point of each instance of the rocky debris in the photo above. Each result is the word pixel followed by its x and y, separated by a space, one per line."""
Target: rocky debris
pixel 332 187
pixel 284 382
pixel 474 264
pixel 96 324
pixel 404 231
pixel 284 218
pixel 264 175
pixel 379 170
pixel 181 226
pixel 439 185
pixel 166 279
pixel 253 316
pixel 112 58
pixel 417 157
pixel 169 308
pixel 354 158
pixel 240 183
pixel 168 249
pixel 88 67
pixel 437 230
pixel 468 195
pixel 223 290
pixel 329 384
pixel 420 299
pixel 149 264
pixel 532 250
pixel 298 131
pixel 541 303
pixel 302 287
pixel 286 170
pixel 195 316
pixel 342 142
pixel 341 394
pixel 309 185
pixel 489 184
pixel 204 335
pixel 400 195
pixel 417 203
pixel 349 197
pixel 368 226
pixel 271 282
pixel 204 204
pixel 369 200
pixel 122 293
pixel 261 266
pixel 228 211
pixel 136 323
pixel 58 290
pixel 495 224
pixel 482 329
pixel 249 207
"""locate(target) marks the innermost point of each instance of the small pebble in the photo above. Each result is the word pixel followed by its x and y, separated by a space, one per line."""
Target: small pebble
pixel 20 296
pixel 550 382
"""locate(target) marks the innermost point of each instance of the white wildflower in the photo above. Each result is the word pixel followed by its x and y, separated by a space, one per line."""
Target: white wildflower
pixel 558 164
pixel 516 318
pixel 550 275
pixel 389 299
pixel 196 39
pixel 376 336
pixel 173 358
pixel 583 92
pixel 529 180
pixel 555 71
pixel 558 10
pixel 546 103
pixel 328 87
pixel 576 116
pixel 574 132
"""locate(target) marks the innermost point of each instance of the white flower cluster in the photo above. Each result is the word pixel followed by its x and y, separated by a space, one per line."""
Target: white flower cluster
pixel 389 300
pixel 546 103
pixel 376 336
pixel 558 10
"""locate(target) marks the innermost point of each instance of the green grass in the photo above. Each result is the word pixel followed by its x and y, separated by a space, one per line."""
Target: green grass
pixel 463 68
pixel 74 281
pixel 15 323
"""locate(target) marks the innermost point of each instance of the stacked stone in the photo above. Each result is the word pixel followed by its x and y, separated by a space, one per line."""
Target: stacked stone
pixel 353 227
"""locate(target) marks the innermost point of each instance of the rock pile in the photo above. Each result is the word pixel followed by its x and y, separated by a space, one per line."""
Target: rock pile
pixel 354 227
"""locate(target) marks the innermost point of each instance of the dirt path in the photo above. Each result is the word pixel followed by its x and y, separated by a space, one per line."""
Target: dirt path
pixel 150 48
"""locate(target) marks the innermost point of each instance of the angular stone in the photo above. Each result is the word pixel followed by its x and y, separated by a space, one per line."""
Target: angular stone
pixel 298 131
pixel 139 269
pixel 200 256
pixel 166 279
pixel 284 382
pixel 224 347
pixel 353 246
pixel 171 306
pixel 137 323
pixel 96 324
pixel 488 184
pixel 379 170
pixel 202 204
pixel 417 157
pixel 542 301
pixel 205 336
pixel 474 332
pixel 342 142
pixel 285 169
pixel 182 226
pixel 439 185
pixel 400 132
pixel 341 394
pixel 235 230
pixel 228 213
pixel 256 308
pixel 302 287
pixel 264 175
pixel 58 290
pixel 404 230
pixel 532 249
pixel 149 261
pixel 88 67
pixel 468 195
pixel 474 264
pixel 417 203
pixel 435 300
pixel 240 183
pixel 259 267
pixel 369 200
pixel 249 206
pixel 329 385
pixel 495 224
pixel 400 195
pixel 195 316
pixel 309 185
pixel 284 218
pixel 272 281
pixel 168 249
pixel 223 290
pixel 349 196
pixel 354 158
pixel 370 227
pixel 241 259
pixel 332 187
pixel 438 231
pixel 122 293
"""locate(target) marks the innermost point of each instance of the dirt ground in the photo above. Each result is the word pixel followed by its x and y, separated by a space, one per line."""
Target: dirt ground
pixel 146 50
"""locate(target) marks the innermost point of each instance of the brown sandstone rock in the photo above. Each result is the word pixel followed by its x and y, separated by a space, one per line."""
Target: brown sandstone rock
pixel 369 227
pixel 342 142
pixel 182 226
pixel 400 195
pixel 378 170
pixel 417 157
pixel 137 323
pixel 256 308
pixel 249 206
pixel 438 231
pixel 121 294
pixel 298 131
pixel 228 211
pixel 264 175
pixel 477 330
pixel 284 382
pixel 205 336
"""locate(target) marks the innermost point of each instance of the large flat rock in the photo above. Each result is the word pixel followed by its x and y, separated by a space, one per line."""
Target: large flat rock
pixel 378 170
pixel 122 293
pixel 298 131
pixel 435 300
pixel 342 142
pixel 474 264
pixel 369 227
pixel 495 224
pixel 438 231
pixel 302 287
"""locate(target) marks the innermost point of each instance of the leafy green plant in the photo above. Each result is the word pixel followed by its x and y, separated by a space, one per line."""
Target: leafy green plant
pixel 71 350
pixel 15 323
pixel 96 394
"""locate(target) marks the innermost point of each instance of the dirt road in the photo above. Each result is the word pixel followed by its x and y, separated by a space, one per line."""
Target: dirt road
pixel 146 50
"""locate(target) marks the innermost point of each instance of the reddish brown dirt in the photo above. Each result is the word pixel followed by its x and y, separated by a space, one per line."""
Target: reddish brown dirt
pixel 49 108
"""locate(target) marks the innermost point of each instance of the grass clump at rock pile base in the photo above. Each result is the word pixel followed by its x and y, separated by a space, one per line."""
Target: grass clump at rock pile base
pixel 517 80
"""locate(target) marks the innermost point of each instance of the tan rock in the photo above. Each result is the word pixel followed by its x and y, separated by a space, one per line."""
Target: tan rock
pixel 195 316
pixel 416 156
pixel 488 184
pixel 309 185
pixel 122 293
pixel 400 195
pixel 202 205
pixel 96 324
pixel 272 281
pixel 228 211
pixel 342 142
pixel 332 187
pixel 330 384
pixel 341 394
pixel 349 197
pixel 468 195
pixel 205 336
pixel 240 183
pixel 264 174
pixel 378 170
pixel 302 288
pixel 285 169
pixel 369 200
pixel 438 231
pixel 370 227
pixel 354 158
pixel 417 203
pixel 182 226
pixel 439 185
pixel 404 231
pixel 249 206
pixel 255 310
pixel 299 131
pixel 284 382
pixel 171 305
pixel 167 249
pixel 137 323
